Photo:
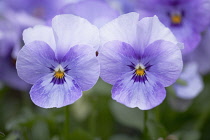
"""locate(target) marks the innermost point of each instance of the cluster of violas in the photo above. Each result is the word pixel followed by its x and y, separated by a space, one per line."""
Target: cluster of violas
pixel 139 53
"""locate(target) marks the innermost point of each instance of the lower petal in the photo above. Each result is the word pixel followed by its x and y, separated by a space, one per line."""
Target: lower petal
pixel 46 94
pixel 145 96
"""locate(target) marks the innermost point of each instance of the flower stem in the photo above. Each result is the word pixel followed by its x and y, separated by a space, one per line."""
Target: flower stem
pixel 67 122
pixel 145 135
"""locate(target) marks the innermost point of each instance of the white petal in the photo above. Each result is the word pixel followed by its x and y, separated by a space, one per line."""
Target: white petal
pixel 70 30
pixel 39 33
pixel 122 29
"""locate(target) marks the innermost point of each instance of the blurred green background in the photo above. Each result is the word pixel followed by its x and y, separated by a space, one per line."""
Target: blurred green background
pixel 97 117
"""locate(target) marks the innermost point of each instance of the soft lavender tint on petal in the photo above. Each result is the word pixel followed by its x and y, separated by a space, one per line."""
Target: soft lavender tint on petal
pixel 40 33
pixel 197 13
pixel 95 11
pixel 151 29
pixel 201 54
pixel 186 35
pixel 70 30
pixel 193 80
pixel 8 75
pixel 145 96
pixel 46 94
pixel 166 60
pixel 122 29
pixel 34 61
pixel 115 58
pixel 83 66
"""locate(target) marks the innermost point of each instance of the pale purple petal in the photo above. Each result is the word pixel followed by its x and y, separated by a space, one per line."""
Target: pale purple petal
pixel 194 82
pixel 122 29
pixel 165 59
pixel 96 12
pixel 197 13
pixel 150 29
pixel 83 66
pixel 70 30
pixel 34 61
pixel 46 94
pixel 187 36
pixel 115 58
pixel 40 33
pixel 9 75
pixel 201 54
pixel 145 96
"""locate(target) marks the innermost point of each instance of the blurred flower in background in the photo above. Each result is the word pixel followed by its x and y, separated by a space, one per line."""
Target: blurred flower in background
pixel 186 19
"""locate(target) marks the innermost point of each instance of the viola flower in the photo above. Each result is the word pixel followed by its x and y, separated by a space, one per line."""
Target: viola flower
pixel 60 61
pixel 190 82
pixel 140 59
pixel 186 18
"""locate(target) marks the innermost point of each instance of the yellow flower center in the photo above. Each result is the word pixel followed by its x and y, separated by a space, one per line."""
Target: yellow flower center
pixel 59 74
pixel 176 18
pixel 140 72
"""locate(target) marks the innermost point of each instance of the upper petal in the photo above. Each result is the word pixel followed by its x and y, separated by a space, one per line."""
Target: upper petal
pixel 145 96
pixel 34 61
pixel 46 94
pixel 122 29
pixel 39 33
pixel 70 30
pixel 83 64
pixel 150 29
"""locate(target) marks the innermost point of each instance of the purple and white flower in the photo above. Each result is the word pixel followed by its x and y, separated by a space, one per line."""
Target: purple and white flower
pixel 186 18
pixel 140 59
pixel 60 61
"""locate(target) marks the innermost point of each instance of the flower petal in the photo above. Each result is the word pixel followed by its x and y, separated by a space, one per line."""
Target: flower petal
pixel 115 58
pixel 39 33
pixel 83 64
pixel 194 82
pixel 122 29
pixel 165 59
pixel 189 37
pixel 151 29
pixel 70 30
pixel 34 61
pixel 145 96
pixel 46 94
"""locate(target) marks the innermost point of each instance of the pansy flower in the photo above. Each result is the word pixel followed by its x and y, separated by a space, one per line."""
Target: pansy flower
pixel 140 59
pixel 186 18
pixel 60 61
